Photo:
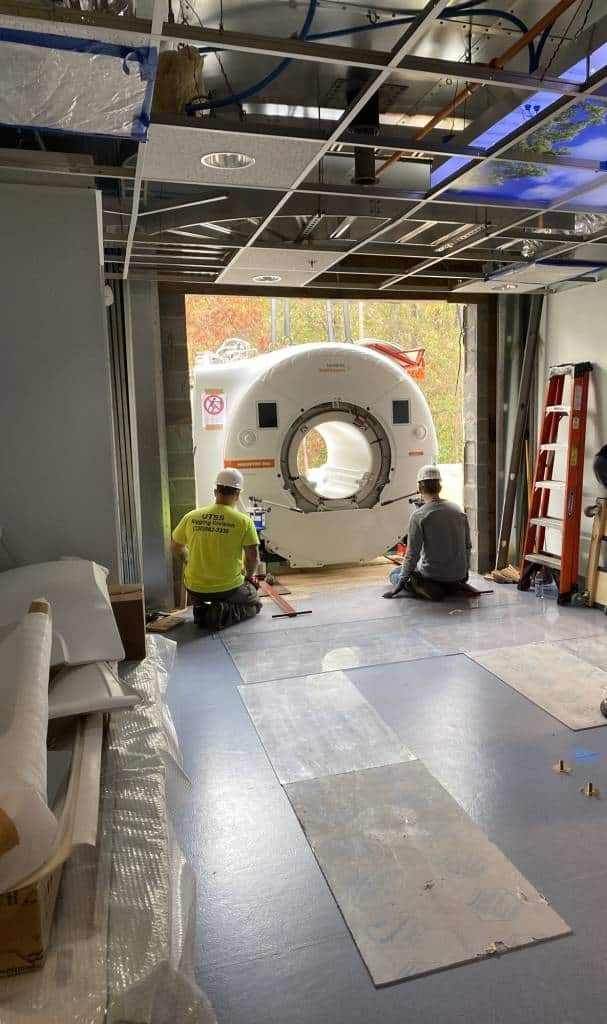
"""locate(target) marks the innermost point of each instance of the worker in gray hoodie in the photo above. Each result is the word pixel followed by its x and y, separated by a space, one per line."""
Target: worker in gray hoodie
pixel 438 545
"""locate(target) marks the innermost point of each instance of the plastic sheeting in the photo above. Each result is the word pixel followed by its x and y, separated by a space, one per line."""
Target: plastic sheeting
pixel 70 84
pixel 123 939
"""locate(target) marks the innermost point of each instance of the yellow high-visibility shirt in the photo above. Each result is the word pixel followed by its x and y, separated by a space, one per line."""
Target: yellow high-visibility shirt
pixel 215 537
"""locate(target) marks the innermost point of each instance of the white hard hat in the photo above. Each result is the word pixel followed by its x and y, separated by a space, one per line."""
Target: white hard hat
pixel 230 478
pixel 428 473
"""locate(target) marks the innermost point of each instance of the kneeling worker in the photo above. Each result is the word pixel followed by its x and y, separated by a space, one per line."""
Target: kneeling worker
pixel 212 541
pixel 438 545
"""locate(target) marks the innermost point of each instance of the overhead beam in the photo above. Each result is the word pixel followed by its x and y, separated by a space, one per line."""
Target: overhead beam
pixel 408 41
pixel 100 25
pixel 595 83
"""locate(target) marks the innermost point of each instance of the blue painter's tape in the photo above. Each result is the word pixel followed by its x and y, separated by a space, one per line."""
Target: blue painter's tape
pixel 582 754
pixel 145 57
pixel 74 44
pixel 141 122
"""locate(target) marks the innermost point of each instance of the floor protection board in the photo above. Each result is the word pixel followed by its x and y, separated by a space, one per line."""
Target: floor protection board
pixel 325 649
pixel 420 886
pixel 566 686
pixel 485 628
pixel 319 725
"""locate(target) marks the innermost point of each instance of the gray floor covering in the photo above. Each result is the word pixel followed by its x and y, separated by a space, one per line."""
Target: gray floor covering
pixel 273 947
pixel 320 725
pixel 419 884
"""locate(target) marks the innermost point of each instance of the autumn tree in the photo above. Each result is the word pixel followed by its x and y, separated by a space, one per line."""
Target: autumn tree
pixel 434 326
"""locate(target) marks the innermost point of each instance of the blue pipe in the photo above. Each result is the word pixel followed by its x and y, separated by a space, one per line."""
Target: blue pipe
pixel 462 9
pixel 227 101
pixel 540 47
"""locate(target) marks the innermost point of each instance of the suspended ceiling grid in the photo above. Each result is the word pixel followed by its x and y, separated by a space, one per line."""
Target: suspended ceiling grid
pixel 294 214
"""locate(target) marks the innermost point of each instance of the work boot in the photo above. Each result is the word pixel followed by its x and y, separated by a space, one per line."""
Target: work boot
pixel 429 590
pixel 200 612
pixel 217 614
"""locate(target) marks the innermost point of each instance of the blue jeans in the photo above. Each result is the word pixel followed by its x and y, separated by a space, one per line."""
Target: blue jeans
pixel 395 575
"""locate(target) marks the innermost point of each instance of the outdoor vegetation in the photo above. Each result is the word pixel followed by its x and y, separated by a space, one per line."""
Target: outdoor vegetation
pixel 266 324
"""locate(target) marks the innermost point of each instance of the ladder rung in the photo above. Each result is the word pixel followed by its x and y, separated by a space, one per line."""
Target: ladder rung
pixel 548 522
pixel 550 485
pixel 564 409
pixel 553 447
pixel 543 558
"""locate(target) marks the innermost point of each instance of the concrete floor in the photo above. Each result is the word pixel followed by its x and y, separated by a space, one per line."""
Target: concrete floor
pixel 272 945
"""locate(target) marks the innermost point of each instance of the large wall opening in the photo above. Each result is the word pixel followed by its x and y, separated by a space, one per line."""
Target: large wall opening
pixel 265 324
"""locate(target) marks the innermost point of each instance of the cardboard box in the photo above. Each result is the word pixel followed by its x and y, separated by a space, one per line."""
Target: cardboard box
pixel 26 913
pixel 129 611
pixel 26 916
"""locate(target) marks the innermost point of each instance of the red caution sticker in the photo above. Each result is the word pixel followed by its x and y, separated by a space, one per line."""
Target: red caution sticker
pixel 416 453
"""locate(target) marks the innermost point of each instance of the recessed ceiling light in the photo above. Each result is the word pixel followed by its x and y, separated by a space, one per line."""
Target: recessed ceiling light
pixel 507 288
pixel 227 161
pixel 267 279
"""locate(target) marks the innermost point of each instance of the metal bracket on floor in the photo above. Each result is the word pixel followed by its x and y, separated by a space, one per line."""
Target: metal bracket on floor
pixel 562 768
pixel 590 790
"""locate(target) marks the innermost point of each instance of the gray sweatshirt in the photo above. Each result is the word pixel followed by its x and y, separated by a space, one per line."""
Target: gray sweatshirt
pixel 439 544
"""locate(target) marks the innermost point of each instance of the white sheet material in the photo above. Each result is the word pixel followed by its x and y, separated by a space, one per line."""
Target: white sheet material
pixel 84 628
pixel 24 672
pixel 87 688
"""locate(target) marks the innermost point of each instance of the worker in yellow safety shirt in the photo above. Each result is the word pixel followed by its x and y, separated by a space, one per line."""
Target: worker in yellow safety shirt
pixel 212 542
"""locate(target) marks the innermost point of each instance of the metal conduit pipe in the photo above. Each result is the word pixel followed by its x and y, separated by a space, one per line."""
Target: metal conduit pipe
pixel 499 63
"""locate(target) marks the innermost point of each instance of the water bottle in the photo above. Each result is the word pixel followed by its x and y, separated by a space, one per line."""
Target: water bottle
pixel 539 586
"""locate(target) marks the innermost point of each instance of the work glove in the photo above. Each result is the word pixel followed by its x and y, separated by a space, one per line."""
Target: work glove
pixel 396 589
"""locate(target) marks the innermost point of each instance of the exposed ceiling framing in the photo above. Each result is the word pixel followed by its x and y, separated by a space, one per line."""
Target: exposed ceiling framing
pixel 298 219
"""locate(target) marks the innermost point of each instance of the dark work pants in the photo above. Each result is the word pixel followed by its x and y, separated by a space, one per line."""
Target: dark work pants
pixel 426 588
pixel 225 608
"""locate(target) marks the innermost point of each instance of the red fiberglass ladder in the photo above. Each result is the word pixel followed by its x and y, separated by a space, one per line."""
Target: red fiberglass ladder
pixel 566 405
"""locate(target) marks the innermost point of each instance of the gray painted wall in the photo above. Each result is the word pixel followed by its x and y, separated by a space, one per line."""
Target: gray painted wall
pixel 573 330
pixel 155 516
pixel 57 465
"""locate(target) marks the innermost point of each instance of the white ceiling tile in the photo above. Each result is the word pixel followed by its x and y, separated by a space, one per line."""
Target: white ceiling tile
pixel 173 153
pixel 293 266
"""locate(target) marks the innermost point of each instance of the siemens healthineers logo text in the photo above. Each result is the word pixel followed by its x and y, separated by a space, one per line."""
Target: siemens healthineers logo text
pixel 333 367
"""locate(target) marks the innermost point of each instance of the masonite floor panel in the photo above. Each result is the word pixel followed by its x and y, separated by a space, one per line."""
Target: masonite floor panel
pixel 420 886
pixel 592 649
pixel 319 725
pixel 324 649
pixel 510 626
pixel 567 687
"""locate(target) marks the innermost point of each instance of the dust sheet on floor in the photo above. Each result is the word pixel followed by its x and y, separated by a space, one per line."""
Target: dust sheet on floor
pixel 550 675
pixel 420 886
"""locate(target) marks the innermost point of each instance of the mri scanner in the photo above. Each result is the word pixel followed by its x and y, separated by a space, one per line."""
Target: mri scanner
pixel 372 431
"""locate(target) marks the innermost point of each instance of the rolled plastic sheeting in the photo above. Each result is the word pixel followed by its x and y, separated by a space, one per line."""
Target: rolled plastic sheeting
pixel 28 828
pixel 84 627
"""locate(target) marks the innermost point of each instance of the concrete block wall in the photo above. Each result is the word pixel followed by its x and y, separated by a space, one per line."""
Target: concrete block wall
pixel 178 411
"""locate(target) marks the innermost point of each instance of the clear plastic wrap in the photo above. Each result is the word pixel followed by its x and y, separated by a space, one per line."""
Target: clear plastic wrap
pixel 123 940
pixel 77 85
